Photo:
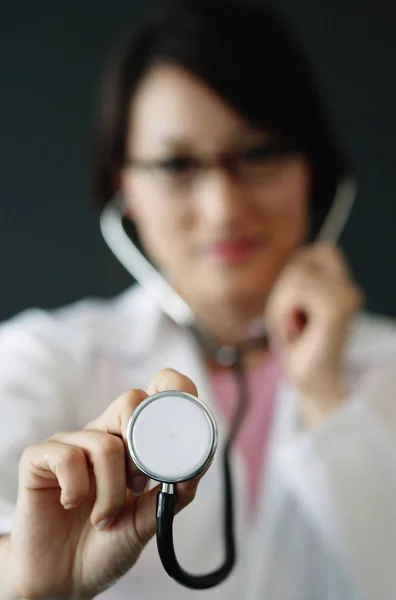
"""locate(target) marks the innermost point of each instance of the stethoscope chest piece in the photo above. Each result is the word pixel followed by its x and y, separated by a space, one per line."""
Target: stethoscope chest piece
pixel 172 437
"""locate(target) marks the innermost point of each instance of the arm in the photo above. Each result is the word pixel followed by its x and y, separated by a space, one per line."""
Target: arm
pixel 342 470
pixel 34 389
pixel 70 538
pixel 39 381
pixel 343 475
pixel 6 592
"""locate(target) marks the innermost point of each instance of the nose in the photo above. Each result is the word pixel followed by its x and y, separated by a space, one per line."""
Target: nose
pixel 221 202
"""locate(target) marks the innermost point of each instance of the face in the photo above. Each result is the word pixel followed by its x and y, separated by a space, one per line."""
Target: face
pixel 220 232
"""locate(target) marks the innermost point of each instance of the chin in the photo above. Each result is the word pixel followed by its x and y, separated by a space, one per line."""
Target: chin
pixel 253 279
pixel 244 284
pixel 240 294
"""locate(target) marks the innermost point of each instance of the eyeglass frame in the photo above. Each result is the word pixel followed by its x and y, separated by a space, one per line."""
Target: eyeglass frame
pixel 227 161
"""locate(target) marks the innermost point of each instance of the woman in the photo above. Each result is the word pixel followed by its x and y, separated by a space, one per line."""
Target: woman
pixel 212 133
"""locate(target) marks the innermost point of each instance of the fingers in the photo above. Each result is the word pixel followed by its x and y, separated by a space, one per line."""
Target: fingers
pixel 114 420
pixel 320 259
pixel 314 287
pixel 301 297
pixel 93 464
pixel 105 455
pixel 116 417
pixel 169 379
pixel 82 464
pixel 52 465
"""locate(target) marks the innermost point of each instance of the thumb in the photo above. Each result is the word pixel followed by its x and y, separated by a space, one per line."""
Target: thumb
pixel 144 506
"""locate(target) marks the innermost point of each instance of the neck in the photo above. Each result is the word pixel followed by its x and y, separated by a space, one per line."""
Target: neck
pixel 227 325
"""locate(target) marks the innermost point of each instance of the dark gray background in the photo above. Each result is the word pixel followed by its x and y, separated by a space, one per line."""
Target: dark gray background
pixel 51 56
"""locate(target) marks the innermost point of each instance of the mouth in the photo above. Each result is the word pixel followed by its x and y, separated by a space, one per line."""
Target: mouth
pixel 228 252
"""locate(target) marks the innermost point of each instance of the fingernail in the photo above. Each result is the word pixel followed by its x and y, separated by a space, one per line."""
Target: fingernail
pixel 104 524
pixel 139 484
pixel 69 506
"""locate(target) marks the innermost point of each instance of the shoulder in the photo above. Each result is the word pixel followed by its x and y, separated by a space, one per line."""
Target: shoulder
pixel 80 326
pixel 54 359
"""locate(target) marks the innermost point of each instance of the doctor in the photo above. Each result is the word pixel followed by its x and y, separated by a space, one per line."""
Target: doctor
pixel 212 132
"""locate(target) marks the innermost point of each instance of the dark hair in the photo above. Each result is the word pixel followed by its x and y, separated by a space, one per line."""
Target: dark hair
pixel 249 57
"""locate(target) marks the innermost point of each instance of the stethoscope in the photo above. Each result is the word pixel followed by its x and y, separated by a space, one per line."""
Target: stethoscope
pixel 172 436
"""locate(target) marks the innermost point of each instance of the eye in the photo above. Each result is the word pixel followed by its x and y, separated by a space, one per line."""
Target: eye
pixel 261 163
pixel 179 165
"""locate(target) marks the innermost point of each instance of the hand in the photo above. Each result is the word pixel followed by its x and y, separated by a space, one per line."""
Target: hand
pixel 80 523
pixel 308 313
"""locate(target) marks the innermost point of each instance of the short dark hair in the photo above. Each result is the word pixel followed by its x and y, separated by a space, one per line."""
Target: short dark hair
pixel 244 52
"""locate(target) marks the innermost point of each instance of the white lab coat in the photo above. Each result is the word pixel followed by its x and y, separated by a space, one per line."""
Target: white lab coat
pixel 326 523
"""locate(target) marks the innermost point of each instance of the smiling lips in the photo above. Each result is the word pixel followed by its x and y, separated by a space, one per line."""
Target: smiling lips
pixel 231 251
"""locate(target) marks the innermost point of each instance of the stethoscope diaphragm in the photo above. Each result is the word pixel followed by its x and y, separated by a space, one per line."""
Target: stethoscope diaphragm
pixel 172 436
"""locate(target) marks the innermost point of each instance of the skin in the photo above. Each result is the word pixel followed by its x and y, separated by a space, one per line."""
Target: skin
pixel 309 312
pixel 82 511
pixel 81 517
pixel 178 230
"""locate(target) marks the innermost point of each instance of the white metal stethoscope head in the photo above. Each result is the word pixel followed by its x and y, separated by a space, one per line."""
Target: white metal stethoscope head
pixel 172 437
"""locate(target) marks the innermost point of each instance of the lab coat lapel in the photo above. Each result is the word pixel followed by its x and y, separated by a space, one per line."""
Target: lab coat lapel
pixel 272 496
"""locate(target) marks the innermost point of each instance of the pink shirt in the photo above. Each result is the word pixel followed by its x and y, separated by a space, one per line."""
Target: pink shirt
pixel 253 436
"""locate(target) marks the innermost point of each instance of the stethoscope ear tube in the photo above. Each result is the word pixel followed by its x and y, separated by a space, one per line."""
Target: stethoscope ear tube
pixel 339 211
